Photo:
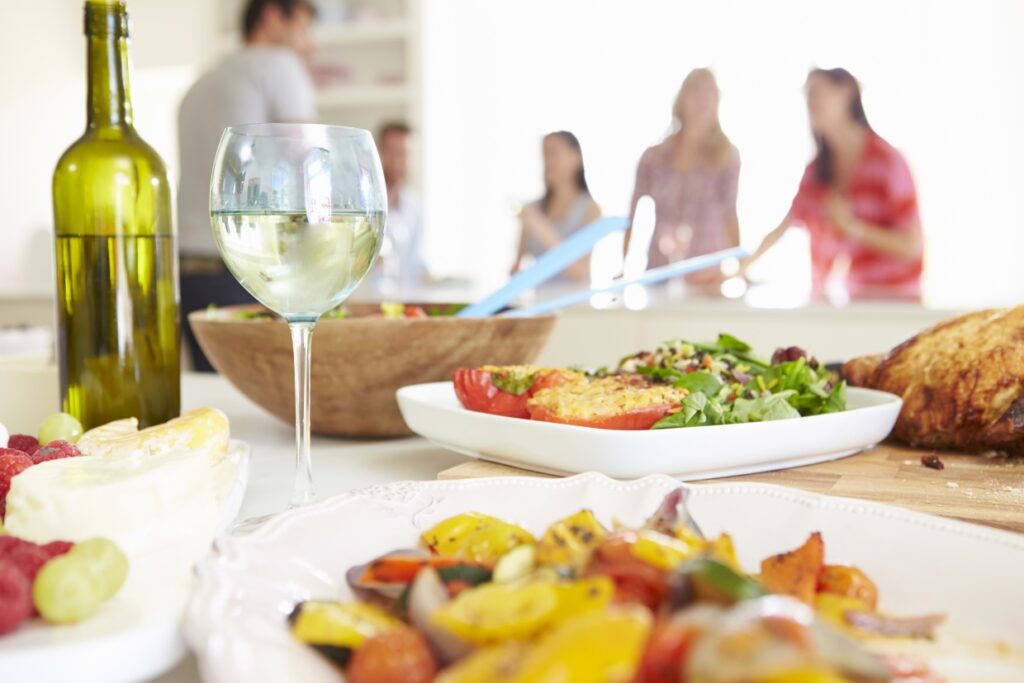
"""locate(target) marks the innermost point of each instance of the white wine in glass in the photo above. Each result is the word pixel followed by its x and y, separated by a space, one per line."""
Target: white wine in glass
pixel 298 214
pixel 297 268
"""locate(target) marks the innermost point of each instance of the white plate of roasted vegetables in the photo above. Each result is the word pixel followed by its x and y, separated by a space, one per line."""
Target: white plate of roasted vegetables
pixel 590 579
pixel 691 410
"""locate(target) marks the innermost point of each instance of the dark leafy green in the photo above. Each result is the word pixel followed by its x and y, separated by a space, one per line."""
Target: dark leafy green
pixel 729 347
pixel 813 391
pixel 764 408
pixel 667 375
pixel 697 410
pixel 727 341
pixel 727 384
pixel 722 577
pixel 700 382
pixel 444 310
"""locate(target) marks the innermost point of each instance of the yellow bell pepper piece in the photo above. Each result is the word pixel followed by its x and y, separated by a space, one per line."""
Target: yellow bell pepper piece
pixel 603 645
pixel 661 551
pixel 494 612
pixel 475 537
pixel 585 595
pixel 494 664
pixel 803 676
pixel 340 624
pixel 569 542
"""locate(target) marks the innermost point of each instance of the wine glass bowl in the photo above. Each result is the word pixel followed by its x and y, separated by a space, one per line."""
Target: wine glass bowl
pixel 298 212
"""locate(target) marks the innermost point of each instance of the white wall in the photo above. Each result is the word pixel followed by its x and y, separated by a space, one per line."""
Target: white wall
pixel 42 108
pixel 942 81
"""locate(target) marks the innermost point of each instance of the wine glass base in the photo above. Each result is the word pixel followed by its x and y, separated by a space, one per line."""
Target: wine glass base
pixel 251 524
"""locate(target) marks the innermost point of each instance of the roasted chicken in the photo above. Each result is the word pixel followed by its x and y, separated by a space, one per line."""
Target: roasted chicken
pixel 962 383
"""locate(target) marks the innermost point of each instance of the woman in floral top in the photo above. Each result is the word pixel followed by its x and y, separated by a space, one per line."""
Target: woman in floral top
pixel 856 199
pixel 692 176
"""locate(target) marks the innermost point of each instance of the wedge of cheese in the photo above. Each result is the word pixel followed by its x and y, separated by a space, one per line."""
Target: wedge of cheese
pixel 164 503
pixel 203 429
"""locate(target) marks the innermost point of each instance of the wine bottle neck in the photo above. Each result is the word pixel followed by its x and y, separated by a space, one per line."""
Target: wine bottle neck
pixel 109 100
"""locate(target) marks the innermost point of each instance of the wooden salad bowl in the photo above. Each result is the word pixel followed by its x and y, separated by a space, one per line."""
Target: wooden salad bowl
pixel 359 362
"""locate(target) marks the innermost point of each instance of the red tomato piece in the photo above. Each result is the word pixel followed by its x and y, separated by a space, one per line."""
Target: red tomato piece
pixel 476 391
pixel 666 652
pixel 400 656
pixel 635 580
pixel 397 568
pixel 415 312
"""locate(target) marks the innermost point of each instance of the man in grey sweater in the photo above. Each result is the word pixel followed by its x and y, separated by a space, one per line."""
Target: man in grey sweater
pixel 268 80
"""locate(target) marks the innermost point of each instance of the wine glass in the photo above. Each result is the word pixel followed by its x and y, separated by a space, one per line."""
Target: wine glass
pixel 298 214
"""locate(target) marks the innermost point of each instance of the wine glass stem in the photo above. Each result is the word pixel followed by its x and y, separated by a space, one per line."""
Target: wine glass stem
pixel 302 339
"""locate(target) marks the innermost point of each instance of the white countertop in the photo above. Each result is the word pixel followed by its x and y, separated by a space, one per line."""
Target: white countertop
pixel 338 464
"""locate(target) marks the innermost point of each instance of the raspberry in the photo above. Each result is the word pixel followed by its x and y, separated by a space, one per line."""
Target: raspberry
pixel 29 559
pixel 55 450
pixel 55 548
pixel 15 597
pixel 11 464
pixel 24 443
pixel 10 543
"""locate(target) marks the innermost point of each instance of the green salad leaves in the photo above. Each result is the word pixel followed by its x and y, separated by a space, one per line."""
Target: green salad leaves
pixel 729 384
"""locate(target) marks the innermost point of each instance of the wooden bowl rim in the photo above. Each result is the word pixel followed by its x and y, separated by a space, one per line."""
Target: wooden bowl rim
pixel 204 316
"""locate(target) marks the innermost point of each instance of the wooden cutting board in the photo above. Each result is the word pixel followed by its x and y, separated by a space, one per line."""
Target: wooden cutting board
pixel 974 488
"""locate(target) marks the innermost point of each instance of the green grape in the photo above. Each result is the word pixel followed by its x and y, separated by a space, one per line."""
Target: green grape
pixel 59 426
pixel 65 590
pixel 105 561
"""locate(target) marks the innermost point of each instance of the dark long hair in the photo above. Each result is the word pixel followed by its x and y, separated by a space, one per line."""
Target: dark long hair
pixel 824 165
pixel 581 175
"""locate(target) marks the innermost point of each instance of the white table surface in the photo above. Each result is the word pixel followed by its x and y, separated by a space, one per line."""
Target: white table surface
pixel 338 464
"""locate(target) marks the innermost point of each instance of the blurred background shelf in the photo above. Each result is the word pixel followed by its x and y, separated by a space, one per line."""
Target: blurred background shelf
pixel 361 32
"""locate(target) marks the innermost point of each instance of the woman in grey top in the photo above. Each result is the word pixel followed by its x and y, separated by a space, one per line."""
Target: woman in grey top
pixel 692 175
pixel 565 207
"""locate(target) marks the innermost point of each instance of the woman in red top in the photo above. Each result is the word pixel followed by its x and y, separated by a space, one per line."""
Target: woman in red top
pixel 856 199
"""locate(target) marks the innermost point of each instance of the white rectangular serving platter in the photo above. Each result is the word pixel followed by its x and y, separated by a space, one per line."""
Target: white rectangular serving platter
pixel 433 411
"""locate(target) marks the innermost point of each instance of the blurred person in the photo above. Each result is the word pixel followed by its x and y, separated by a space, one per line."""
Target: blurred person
pixel 267 81
pixel 405 220
pixel 693 177
pixel 856 199
pixel 565 207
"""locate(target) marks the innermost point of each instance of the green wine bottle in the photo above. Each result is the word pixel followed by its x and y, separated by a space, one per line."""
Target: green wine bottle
pixel 117 273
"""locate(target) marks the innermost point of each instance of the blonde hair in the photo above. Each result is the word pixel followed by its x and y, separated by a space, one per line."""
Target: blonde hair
pixel 715 149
